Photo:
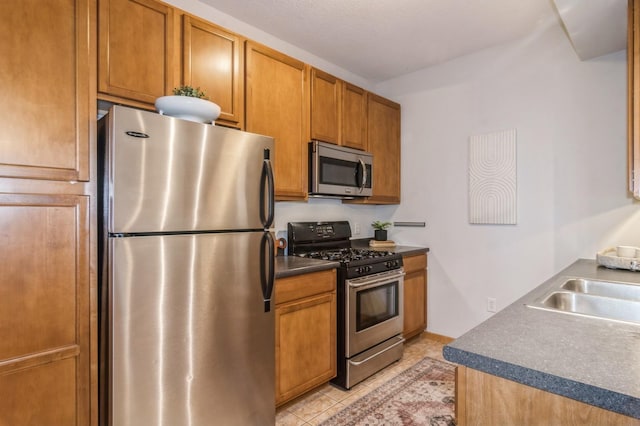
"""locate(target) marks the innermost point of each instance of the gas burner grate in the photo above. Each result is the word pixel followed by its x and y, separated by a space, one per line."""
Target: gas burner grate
pixel 346 255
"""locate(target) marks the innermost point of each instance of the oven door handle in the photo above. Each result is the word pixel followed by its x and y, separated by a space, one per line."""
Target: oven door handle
pixel 377 282
pixel 402 340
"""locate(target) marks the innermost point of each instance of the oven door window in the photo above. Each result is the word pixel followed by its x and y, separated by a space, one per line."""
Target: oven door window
pixel 376 305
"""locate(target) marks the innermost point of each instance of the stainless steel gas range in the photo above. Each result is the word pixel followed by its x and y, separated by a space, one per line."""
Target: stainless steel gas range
pixel 370 292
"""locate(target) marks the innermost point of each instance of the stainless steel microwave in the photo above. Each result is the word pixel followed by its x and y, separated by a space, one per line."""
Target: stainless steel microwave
pixel 336 171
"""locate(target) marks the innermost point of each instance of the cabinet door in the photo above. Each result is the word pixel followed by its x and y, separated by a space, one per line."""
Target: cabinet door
pixel 325 107
pixel 633 110
pixel 45 312
pixel 135 60
pixel 415 295
pixel 211 60
pixel 484 399
pixel 383 133
pixel 354 117
pixel 305 345
pixel 277 105
pixel 46 71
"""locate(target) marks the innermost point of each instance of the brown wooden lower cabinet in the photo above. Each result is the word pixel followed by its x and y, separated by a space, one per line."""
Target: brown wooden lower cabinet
pixel 305 333
pixel 484 399
pixel 415 295
pixel 45 312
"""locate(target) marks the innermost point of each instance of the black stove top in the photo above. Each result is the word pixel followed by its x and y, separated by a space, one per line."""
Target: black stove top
pixel 331 241
pixel 345 255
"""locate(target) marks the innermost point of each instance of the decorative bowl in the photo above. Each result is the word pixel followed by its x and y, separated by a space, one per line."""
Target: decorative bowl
pixel 188 108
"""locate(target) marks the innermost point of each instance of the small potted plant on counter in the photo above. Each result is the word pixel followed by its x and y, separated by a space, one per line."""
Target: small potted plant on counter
pixel 188 103
pixel 380 233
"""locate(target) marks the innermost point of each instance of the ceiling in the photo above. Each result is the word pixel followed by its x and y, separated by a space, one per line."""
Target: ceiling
pixel 383 39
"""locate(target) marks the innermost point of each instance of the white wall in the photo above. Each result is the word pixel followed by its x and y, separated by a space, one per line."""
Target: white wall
pixel 570 118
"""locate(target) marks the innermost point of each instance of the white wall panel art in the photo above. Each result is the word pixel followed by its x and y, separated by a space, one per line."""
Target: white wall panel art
pixel 492 178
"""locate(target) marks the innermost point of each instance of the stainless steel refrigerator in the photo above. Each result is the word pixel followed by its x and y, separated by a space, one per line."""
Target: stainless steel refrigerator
pixel 187 273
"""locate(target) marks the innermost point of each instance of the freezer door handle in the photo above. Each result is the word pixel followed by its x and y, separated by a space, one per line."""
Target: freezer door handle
pixel 267 269
pixel 267 191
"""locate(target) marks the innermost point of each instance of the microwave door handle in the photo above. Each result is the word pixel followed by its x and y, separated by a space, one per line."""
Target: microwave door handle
pixel 364 174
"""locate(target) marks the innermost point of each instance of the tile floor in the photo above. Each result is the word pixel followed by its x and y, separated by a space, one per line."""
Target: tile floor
pixel 318 405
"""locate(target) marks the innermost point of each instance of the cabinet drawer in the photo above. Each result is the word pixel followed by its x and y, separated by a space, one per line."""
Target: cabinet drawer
pixel 305 285
pixel 415 263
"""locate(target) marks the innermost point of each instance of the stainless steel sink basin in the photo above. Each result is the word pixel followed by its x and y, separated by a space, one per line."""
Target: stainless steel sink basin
pixel 599 299
pixel 593 306
pixel 603 288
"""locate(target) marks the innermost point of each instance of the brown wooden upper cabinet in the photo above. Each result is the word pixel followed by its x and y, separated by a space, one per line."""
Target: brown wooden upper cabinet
pixel 212 59
pixel 633 110
pixel 338 111
pixel 136 63
pixel 383 141
pixel 277 105
pixel 46 75
pixel 325 107
pixel 354 116
pixel 383 123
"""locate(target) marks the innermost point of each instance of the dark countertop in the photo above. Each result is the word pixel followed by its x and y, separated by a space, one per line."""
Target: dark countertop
pixel 587 359
pixel 287 266
pixel 403 250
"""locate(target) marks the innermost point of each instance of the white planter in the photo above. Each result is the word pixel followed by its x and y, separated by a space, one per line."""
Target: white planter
pixel 188 108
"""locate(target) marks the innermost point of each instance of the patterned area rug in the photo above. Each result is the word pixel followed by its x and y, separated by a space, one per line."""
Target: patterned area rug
pixel 421 395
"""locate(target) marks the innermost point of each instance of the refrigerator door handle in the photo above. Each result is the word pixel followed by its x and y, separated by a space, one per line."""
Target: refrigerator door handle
pixel 267 268
pixel 267 190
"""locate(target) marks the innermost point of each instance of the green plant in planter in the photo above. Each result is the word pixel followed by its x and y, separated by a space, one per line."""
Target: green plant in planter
pixel 189 91
pixel 381 226
pixel 380 233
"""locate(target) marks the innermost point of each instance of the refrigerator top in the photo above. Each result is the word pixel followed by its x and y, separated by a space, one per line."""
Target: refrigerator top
pixel 164 174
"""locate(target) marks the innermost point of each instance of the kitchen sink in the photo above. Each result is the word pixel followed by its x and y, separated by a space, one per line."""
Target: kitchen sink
pixel 600 299
pixel 603 288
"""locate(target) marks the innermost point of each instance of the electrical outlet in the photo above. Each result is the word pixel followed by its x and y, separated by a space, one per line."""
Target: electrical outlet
pixel 356 228
pixel 491 304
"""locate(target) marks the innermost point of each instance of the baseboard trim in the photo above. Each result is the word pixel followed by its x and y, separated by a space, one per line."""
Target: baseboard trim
pixel 438 337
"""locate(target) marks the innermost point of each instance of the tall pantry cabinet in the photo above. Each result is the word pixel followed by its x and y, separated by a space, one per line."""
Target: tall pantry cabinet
pixel 47 284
